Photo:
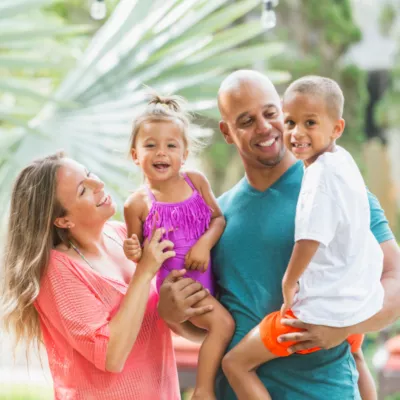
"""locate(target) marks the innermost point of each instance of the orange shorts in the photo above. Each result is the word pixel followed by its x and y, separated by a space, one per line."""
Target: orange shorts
pixel 271 328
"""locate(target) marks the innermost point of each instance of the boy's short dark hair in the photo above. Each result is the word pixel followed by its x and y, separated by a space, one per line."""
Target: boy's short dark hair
pixel 320 86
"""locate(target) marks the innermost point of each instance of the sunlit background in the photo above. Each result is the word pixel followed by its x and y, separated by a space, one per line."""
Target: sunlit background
pixel 72 75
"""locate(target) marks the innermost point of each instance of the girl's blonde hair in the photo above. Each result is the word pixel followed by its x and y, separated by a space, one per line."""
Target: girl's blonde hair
pixel 167 108
pixel 30 237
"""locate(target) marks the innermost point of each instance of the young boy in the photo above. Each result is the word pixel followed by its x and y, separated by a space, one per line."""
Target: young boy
pixel 333 276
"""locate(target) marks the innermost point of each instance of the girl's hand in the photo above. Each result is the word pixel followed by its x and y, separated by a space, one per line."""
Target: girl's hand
pixel 154 253
pixel 132 248
pixel 198 257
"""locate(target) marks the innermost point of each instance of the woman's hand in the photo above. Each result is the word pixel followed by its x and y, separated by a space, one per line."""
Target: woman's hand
pixel 321 336
pixel 178 296
pixel 154 253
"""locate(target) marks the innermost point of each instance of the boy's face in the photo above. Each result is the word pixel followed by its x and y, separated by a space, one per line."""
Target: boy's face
pixel 309 129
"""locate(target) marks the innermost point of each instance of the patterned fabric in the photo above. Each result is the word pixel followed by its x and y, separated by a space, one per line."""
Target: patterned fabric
pixel 184 223
pixel 75 305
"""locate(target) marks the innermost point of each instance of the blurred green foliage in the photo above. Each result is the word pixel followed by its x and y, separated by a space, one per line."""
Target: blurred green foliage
pixel 388 110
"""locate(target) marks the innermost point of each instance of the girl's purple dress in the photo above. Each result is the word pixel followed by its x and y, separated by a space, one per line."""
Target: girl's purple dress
pixel 184 223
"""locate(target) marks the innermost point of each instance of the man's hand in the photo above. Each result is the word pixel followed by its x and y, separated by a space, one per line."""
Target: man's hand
pixel 198 257
pixel 321 336
pixel 178 296
pixel 132 248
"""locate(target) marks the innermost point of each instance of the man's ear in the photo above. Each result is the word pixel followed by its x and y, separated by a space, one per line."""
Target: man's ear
pixel 134 156
pixel 223 127
pixel 63 223
pixel 338 129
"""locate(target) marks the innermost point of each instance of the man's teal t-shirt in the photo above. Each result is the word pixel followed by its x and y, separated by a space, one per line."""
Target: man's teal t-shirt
pixel 249 262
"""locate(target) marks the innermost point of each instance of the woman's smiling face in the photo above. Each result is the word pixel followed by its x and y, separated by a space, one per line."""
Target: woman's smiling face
pixel 82 194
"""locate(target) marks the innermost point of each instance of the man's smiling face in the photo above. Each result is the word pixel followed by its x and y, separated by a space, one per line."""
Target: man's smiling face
pixel 253 121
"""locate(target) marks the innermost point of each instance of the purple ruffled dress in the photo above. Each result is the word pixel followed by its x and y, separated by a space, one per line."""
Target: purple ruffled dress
pixel 184 223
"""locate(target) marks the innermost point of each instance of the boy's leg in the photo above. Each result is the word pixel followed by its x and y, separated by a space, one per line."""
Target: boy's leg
pixel 220 326
pixel 240 363
pixel 366 383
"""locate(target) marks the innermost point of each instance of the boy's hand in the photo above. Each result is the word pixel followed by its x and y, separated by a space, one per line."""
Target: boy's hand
pixel 198 257
pixel 132 248
pixel 288 292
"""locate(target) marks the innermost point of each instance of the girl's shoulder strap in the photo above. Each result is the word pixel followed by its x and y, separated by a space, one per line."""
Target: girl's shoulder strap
pixel 189 182
pixel 150 194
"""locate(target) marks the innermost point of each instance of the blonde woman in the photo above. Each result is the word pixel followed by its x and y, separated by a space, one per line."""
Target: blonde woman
pixel 69 285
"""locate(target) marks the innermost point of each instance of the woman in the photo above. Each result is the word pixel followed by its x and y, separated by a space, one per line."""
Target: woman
pixel 69 284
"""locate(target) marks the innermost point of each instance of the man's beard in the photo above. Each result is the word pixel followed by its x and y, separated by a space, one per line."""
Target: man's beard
pixel 272 162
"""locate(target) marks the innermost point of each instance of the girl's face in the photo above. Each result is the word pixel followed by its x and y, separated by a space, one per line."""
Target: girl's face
pixel 160 150
pixel 82 194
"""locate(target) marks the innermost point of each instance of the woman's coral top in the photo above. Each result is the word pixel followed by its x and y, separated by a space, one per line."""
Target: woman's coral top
pixel 75 305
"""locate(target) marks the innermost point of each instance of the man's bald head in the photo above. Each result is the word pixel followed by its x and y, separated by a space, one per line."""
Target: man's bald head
pixel 242 80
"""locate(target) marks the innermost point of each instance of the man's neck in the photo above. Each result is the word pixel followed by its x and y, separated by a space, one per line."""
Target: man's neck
pixel 262 177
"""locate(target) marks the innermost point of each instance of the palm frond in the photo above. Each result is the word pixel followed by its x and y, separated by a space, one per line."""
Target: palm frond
pixel 185 47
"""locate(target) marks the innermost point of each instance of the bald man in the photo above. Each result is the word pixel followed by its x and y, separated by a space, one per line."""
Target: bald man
pixel 253 253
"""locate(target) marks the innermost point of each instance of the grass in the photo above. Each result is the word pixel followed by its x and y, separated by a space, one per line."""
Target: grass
pixel 25 392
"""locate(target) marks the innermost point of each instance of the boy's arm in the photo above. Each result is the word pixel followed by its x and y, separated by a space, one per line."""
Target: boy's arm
pixel 303 252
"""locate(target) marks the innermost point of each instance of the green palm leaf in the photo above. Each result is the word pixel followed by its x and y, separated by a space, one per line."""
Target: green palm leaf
pixel 185 47
pixel 31 60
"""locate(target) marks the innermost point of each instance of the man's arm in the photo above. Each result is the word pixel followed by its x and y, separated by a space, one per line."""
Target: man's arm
pixel 178 298
pixel 391 284
pixel 327 337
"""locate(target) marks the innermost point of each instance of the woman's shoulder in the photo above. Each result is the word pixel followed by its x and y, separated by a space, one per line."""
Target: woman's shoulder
pixel 60 264
pixel 118 227
pixel 60 268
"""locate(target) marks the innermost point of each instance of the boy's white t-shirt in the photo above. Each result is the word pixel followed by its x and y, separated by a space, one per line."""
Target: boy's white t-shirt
pixel 341 286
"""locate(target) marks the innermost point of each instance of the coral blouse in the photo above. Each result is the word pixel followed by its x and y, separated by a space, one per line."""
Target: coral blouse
pixel 75 305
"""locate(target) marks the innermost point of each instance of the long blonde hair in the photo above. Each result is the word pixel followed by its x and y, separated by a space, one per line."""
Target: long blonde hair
pixel 30 237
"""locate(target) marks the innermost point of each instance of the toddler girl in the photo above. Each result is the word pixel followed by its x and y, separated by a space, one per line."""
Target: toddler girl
pixel 182 203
